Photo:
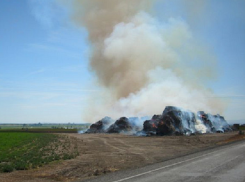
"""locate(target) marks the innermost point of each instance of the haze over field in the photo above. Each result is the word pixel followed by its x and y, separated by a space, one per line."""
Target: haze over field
pixel 81 60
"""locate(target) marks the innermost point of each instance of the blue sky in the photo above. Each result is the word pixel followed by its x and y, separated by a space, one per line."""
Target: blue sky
pixel 44 74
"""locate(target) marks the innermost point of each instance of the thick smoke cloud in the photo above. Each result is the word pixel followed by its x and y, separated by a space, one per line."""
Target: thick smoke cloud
pixel 141 63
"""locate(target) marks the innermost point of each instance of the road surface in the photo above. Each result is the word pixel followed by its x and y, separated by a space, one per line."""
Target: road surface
pixel 221 164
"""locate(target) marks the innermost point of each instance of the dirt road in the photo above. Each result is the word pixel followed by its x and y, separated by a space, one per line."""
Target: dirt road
pixel 104 153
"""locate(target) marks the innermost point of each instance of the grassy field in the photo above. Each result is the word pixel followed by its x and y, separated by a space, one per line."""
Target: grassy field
pixel 22 151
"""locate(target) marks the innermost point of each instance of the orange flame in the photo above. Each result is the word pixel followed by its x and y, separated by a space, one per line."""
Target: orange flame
pixel 153 125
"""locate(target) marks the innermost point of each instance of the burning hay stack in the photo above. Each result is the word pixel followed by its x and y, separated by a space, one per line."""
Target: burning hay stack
pixel 100 126
pixel 176 121
pixel 150 126
pixel 122 125
pixel 214 123
pixel 173 121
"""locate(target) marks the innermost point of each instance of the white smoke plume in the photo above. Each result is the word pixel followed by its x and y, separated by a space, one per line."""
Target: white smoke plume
pixel 200 127
pixel 141 63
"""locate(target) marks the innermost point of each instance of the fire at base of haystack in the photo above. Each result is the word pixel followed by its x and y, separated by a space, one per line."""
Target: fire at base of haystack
pixel 173 121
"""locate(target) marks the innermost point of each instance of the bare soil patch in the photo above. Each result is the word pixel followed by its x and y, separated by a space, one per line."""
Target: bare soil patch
pixel 104 153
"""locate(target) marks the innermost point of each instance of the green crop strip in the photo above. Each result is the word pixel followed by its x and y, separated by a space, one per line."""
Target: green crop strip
pixel 22 151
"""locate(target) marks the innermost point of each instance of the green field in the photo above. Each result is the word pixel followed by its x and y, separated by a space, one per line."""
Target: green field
pixel 22 151
pixel 242 128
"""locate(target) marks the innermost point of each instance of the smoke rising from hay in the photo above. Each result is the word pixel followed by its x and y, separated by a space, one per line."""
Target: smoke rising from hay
pixel 141 63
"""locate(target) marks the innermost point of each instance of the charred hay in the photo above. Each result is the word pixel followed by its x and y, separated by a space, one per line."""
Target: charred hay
pixel 100 126
pixel 120 126
pixel 173 121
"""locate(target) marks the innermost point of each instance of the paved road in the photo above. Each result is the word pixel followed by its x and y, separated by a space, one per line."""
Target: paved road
pixel 223 164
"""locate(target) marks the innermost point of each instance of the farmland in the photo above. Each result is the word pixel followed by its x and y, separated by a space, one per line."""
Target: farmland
pixel 44 127
pixel 104 153
pixel 22 151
